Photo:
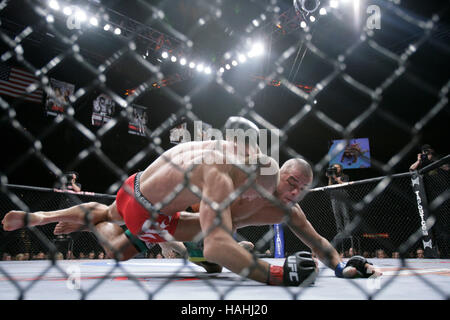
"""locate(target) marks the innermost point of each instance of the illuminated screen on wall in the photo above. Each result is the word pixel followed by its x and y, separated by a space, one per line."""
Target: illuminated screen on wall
pixel 353 154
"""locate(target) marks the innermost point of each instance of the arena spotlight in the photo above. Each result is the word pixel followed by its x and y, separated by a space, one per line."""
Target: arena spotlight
pixel 117 31
pixel 107 27
pixel 257 49
pixel 322 11
pixel 67 11
pixel 221 70
pixel 80 15
pixel 312 18
pixel 183 61
pixel 173 59
pixel 93 21
pixel 308 6
pixel 192 65
pixel 227 66
pixel 242 58
pixel 200 67
pixel 165 55
pixel 334 3
pixel 208 70
pixel 234 63
pixel 53 4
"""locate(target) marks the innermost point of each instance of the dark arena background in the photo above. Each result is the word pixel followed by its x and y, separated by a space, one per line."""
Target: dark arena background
pixel 100 89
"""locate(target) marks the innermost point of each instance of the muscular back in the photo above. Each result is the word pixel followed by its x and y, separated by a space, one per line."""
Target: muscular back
pixel 171 177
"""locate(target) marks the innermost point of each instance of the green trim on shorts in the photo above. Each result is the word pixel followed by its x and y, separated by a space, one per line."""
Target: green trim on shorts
pixel 195 251
pixel 137 243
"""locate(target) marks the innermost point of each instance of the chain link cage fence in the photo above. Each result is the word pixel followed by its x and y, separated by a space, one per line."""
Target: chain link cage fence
pixel 99 92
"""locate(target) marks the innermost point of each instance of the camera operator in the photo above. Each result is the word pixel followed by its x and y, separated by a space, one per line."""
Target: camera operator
pixel 424 158
pixel 64 242
pixel 72 183
pixel 336 175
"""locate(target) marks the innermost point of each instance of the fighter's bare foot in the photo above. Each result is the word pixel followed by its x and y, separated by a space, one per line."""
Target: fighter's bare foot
pixel 16 219
pixel 69 227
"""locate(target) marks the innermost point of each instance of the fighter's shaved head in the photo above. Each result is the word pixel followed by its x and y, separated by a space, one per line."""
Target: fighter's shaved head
pixel 300 165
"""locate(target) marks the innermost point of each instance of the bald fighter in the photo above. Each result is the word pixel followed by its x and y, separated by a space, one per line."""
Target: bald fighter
pixel 296 176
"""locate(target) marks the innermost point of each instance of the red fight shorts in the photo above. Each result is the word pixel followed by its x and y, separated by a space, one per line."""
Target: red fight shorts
pixel 145 224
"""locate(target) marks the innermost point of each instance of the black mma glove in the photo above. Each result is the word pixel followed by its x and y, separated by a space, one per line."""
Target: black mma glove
pixel 296 269
pixel 359 263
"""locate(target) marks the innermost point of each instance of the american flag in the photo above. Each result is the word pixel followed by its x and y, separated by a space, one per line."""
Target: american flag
pixel 14 82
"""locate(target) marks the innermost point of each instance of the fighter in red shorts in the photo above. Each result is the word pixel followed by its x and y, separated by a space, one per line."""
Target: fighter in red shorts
pixel 134 209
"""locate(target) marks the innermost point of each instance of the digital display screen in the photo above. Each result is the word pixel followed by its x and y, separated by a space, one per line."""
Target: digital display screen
pixel 351 154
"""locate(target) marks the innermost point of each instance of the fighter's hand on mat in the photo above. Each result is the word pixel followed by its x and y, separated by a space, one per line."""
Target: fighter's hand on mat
pixel 299 269
pixel 357 267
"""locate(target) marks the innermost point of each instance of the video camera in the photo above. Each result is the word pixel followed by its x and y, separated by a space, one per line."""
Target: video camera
pixel 331 172
pixel 424 157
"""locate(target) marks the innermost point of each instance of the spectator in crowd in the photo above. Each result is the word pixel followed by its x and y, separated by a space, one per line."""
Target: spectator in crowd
pixel 335 176
pixel 170 254
pixel 395 255
pixel 19 257
pixel 151 255
pixel 26 256
pixel 81 255
pixel 159 256
pixel 63 243
pixel 380 254
pixel 6 256
pixel 91 255
pixel 40 256
pixel 59 256
pixel 101 255
pixel 366 254
pixel 70 255
pixel 419 254
pixel 352 252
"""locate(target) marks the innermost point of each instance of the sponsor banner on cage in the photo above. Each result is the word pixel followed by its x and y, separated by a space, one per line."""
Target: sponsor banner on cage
pixel 422 209
pixel 103 108
pixel 138 121
pixel 279 241
pixel 57 103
